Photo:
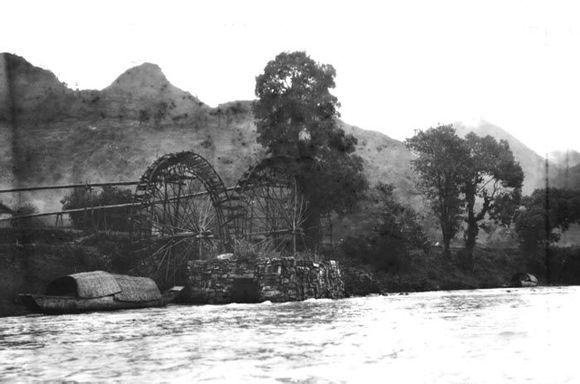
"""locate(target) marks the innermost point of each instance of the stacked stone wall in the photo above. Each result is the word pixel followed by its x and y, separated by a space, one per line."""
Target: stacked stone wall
pixel 276 280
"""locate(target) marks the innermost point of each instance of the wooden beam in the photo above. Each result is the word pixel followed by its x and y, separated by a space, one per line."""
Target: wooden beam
pixel 69 186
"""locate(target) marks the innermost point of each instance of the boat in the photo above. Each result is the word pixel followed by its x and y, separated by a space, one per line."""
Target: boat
pixel 97 291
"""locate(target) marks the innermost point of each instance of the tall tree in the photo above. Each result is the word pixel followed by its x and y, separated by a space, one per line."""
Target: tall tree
pixel 493 180
pixel 296 117
pixel 440 164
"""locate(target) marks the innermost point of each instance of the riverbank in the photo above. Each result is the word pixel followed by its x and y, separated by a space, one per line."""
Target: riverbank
pixel 29 268
pixel 432 271
pixel 26 267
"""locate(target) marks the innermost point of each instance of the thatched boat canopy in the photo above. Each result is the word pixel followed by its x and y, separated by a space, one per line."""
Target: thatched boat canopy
pixel 136 289
pixel 88 285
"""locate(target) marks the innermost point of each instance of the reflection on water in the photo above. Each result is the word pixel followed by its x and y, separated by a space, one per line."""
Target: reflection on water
pixel 481 336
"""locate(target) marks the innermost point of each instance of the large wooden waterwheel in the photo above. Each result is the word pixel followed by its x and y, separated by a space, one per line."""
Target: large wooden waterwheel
pixel 274 209
pixel 182 213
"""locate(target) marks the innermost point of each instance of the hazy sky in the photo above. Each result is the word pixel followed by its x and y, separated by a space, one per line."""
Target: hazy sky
pixel 400 65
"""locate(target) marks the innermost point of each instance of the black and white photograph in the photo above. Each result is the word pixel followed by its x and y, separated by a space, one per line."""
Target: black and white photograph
pixel 306 191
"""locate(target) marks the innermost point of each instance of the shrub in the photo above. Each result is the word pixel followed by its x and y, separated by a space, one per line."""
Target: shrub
pixel 116 219
pixel 395 234
pixel 144 116
pixel 248 250
pixel 28 222
pixel 538 226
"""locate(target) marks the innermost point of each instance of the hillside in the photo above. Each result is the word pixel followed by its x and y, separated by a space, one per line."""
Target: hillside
pixel 568 177
pixel 565 159
pixel 54 135
pixel 65 136
pixel 566 174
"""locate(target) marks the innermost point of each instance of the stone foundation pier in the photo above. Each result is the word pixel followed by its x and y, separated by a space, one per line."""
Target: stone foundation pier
pixel 251 281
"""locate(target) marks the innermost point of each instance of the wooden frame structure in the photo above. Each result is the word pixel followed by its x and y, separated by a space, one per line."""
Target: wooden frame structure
pixel 182 210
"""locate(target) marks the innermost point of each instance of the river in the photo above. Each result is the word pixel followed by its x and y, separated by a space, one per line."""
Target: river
pixel 528 335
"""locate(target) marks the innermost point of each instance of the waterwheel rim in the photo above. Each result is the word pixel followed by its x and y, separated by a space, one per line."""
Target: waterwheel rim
pixel 179 215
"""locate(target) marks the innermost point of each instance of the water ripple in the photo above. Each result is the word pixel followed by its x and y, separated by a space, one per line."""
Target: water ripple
pixel 481 336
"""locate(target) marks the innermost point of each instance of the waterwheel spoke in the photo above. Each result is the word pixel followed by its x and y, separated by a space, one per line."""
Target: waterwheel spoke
pixel 178 216
pixel 275 207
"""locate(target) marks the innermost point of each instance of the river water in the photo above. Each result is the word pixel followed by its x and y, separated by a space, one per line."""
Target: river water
pixel 483 336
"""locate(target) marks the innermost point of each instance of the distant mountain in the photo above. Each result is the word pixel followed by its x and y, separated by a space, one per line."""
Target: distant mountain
pixel 50 134
pixel 568 177
pixel 55 135
pixel 564 159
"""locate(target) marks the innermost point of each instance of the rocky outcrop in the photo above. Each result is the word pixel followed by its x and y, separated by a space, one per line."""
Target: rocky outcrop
pixel 276 280
pixel 524 280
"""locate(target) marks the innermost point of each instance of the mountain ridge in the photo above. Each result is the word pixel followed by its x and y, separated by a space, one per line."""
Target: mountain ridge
pixel 62 135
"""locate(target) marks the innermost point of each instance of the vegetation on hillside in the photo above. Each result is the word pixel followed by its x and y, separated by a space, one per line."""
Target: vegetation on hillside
pixel 472 182
pixel 25 209
pixel 113 219
pixel 543 217
pixel 395 234
pixel 567 177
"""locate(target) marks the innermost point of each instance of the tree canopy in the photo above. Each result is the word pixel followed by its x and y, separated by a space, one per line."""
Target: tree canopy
pixel 471 179
pixel 492 177
pixel 440 166
pixel 297 119
pixel 537 221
